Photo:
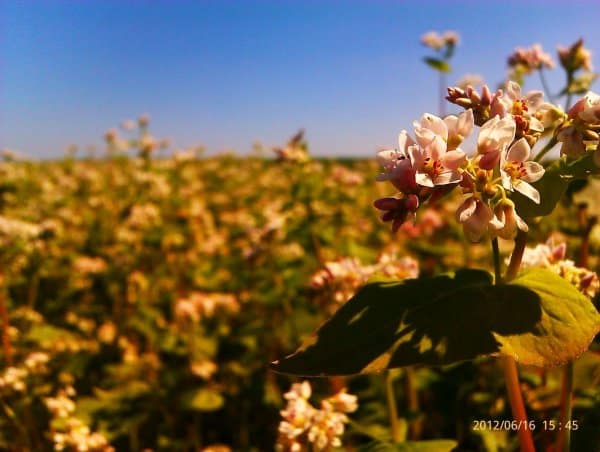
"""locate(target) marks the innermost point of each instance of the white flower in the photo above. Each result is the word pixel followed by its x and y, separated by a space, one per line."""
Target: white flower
pixel 397 166
pixel 494 137
pixel 517 172
pixel 523 105
pixel 506 221
pixel 475 216
pixel 434 163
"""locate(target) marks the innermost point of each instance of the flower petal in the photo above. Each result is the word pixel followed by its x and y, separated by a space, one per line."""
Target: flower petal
pixel 404 141
pixel 519 151
pixel 466 209
pixel 535 171
pixel 424 179
pixel 453 159
pixel 527 190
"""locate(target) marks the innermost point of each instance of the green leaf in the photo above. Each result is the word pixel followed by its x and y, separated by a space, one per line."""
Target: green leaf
pixel 438 65
pixel 553 185
pixel 539 319
pixel 202 399
pixel 436 445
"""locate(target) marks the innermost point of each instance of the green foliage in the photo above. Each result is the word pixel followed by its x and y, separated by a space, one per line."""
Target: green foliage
pixel 553 185
pixel 538 319
pixel 437 64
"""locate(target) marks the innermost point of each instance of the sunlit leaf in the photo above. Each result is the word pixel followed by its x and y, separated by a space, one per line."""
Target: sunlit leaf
pixel 553 185
pixel 539 319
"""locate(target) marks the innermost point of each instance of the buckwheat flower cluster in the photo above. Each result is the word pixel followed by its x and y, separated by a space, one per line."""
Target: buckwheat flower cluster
pixel 432 164
pixel 295 150
pixel 71 433
pixel 337 282
pixel 530 59
pixel 435 41
pixel 303 424
pixel 578 134
pixel 552 257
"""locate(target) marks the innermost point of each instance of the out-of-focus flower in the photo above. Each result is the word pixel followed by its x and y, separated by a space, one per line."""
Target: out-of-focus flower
pixel 435 41
pixel 89 265
pixel 128 124
pixel 471 80
pixel 530 59
pixel 204 368
pixel 517 171
pixel 295 150
pixel 13 379
pixel 339 280
pixel 144 120
pixel 199 305
pixel 552 257
pixel 107 332
pixel 303 424
pixel 217 448
pixel 575 57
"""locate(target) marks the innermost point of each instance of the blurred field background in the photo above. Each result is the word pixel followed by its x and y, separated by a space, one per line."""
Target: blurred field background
pixel 149 273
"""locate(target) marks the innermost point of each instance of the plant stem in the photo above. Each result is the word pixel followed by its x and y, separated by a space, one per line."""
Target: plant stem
pixel 566 397
pixel 545 85
pixel 414 427
pixel 509 366
pixel 442 109
pixel 392 409
pixel 517 255
pixel 511 378
pixel 569 94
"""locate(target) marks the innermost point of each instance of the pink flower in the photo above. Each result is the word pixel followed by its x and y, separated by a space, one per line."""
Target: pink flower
pixel 517 172
pixel 434 163
pixel 527 105
pixel 494 137
pixel 398 210
pixel 531 59
pixel 397 167
pixel 475 216
pixel 458 128
pixel 587 108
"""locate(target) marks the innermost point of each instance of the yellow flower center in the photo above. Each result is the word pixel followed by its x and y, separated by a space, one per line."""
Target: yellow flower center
pixel 516 170
pixel 432 167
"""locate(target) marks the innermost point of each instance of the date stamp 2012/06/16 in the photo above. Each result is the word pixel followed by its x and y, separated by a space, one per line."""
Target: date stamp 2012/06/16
pixel 532 425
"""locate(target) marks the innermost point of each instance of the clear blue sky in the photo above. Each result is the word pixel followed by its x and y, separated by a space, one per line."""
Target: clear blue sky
pixel 228 73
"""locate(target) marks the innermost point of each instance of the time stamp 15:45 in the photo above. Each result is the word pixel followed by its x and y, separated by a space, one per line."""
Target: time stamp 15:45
pixel 548 425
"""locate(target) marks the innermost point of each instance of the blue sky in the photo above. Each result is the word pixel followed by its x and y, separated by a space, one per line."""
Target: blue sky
pixel 228 73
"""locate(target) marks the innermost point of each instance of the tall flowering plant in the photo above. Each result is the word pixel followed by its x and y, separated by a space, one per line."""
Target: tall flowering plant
pixel 535 315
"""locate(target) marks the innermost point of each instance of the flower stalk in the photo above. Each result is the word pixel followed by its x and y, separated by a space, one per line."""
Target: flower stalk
pixel 509 366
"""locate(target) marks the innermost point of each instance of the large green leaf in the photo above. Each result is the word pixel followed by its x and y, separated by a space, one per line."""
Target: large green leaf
pixel 553 185
pixel 539 319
